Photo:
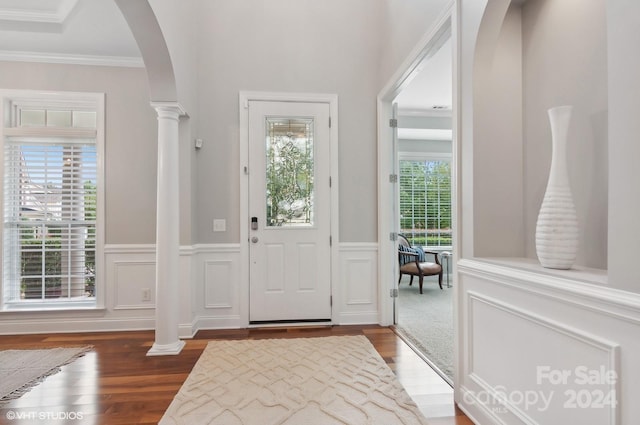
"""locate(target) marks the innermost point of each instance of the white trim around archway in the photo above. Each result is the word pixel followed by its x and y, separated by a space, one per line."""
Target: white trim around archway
pixel 387 158
pixel 446 25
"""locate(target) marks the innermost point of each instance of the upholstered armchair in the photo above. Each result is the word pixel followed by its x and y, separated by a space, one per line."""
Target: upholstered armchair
pixel 412 262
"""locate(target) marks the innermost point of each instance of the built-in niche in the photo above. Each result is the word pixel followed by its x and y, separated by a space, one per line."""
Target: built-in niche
pixel 543 53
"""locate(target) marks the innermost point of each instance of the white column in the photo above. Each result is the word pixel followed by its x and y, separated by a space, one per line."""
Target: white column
pixel 167 232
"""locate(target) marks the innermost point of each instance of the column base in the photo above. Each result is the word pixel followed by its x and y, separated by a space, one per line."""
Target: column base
pixel 166 349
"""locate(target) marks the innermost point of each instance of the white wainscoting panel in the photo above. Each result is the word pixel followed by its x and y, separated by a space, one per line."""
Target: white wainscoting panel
pixel 130 269
pixel 356 294
pixel 535 348
pixel 561 357
pixel 131 279
pixel 212 296
pixel 218 280
pixel 218 296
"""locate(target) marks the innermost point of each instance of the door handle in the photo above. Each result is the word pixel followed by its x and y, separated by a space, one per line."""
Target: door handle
pixel 254 239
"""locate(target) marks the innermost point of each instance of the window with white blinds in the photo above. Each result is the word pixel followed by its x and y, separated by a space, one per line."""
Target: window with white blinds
pixel 50 203
pixel 425 201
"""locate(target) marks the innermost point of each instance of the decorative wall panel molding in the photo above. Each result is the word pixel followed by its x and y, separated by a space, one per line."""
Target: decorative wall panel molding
pixel 540 348
pixel 356 294
pixel 211 294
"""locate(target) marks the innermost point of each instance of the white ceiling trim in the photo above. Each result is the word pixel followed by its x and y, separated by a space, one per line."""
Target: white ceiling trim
pixel 52 16
pixel 63 58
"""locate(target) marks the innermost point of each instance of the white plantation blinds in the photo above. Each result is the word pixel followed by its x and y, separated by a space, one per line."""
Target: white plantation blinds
pixel 50 204
pixel 425 202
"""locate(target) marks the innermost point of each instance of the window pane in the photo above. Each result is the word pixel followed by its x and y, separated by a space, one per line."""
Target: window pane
pixel 32 118
pixel 290 172
pixel 58 118
pixel 50 202
pixel 84 119
pixel 425 202
pixel 31 288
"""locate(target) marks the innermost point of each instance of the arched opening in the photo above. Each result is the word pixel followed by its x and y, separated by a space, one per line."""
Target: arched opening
pixel 162 87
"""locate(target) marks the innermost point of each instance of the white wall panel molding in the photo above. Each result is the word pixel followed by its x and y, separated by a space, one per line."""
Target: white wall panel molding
pixel 522 333
pixel 133 284
pixel 130 277
pixel 219 288
pixel 521 329
pixel 560 286
pixel 212 296
pixel 355 296
pixel 219 301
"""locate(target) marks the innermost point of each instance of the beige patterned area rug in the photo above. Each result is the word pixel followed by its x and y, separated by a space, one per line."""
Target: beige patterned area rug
pixel 310 381
pixel 20 370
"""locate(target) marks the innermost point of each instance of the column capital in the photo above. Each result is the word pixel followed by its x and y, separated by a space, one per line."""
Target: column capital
pixel 173 108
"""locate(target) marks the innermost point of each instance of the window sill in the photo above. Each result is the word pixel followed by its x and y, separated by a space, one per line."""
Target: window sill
pixel 44 307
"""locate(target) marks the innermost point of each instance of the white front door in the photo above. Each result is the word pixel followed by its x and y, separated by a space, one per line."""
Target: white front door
pixel 290 212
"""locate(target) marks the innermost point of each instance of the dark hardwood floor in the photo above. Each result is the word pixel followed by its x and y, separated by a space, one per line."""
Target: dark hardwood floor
pixel 116 383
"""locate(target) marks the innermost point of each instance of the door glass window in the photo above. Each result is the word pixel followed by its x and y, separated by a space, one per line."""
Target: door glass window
pixel 289 169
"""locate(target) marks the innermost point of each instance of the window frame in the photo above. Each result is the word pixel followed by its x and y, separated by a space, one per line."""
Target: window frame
pixel 10 102
pixel 425 156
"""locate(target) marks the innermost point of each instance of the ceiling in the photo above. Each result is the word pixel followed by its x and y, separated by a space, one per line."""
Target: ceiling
pixel 75 31
pixel 429 94
pixel 430 91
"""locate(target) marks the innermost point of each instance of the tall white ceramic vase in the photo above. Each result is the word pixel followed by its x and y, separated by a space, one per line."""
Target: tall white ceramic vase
pixel 557 226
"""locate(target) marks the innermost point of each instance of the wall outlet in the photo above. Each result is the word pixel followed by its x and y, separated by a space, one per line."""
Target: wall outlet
pixel 146 294
pixel 219 225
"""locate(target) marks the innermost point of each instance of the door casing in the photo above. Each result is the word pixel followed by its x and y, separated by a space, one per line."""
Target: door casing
pixel 244 98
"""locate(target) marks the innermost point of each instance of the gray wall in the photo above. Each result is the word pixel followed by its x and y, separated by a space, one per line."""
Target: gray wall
pixel 131 138
pixel 403 25
pixel 348 48
pixel 498 229
pixel 289 46
pixel 330 46
pixel 624 149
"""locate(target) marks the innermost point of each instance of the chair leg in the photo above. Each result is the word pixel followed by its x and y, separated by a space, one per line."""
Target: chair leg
pixel 411 280
pixel 440 280
pixel 420 279
pixel 400 278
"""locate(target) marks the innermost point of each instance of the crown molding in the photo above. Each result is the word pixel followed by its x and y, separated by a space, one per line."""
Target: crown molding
pixel 71 59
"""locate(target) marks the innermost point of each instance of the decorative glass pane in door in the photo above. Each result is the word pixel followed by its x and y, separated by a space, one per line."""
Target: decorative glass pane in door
pixel 289 172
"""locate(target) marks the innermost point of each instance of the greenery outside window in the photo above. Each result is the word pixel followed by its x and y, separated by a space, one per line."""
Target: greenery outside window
pixel 425 201
pixel 51 193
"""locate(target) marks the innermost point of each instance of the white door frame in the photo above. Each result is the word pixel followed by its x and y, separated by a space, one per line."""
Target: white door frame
pixel 245 97
pixel 387 160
